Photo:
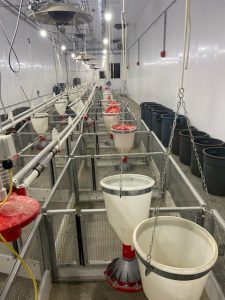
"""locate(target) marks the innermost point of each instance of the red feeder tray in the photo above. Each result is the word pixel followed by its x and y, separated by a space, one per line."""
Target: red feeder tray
pixel 112 109
pixel 17 213
pixel 124 127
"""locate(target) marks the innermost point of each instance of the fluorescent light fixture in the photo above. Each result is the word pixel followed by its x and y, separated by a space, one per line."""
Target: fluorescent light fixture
pixel 104 51
pixel 73 55
pixel 108 16
pixel 63 48
pixel 105 41
pixel 43 32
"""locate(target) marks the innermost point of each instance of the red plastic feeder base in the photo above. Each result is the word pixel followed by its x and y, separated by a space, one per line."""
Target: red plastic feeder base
pixel 15 214
pixel 123 273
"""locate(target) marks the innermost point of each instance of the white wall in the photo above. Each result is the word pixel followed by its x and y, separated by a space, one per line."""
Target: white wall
pixel 37 62
pixel 158 78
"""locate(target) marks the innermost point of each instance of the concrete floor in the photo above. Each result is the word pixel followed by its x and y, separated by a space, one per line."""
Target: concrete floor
pixel 94 291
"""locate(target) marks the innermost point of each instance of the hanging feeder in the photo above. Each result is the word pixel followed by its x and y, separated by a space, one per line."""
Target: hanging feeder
pixel 123 136
pixel 40 125
pixel 60 106
pixel 177 271
pixel 127 199
pixel 15 214
pixel 111 116
pixel 61 14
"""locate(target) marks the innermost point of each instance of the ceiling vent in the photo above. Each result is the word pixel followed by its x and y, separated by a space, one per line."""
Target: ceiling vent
pixel 61 14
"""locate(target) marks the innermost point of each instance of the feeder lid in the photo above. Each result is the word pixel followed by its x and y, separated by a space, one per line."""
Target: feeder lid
pixel 15 214
pixel 124 127
pixel 112 110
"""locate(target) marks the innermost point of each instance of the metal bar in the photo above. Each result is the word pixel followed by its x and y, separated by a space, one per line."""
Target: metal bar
pixel 117 155
pixel 147 29
pixel 53 190
pixel 93 172
pixel 219 218
pixel 5 290
pixel 47 151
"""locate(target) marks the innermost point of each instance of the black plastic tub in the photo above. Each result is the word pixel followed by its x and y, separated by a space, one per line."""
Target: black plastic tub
pixel 150 113
pixel 214 170
pixel 176 139
pixel 202 143
pixel 157 120
pixel 167 122
pixel 185 144
pixel 144 106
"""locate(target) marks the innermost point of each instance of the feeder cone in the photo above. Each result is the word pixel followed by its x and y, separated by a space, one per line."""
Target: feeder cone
pixel 40 122
pixel 127 199
pixel 60 106
pixel 124 136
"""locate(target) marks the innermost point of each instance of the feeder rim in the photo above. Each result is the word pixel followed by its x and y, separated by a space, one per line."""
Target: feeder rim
pixel 127 191
pixel 174 272
pixel 39 115
pixel 123 131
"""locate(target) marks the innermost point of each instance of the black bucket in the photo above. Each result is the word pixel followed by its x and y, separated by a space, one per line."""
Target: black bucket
pixel 149 114
pixel 185 144
pixel 176 139
pixel 167 122
pixel 214 170
pixel 157 120
pixel 18 111
pixel 143 106
pixel 202 143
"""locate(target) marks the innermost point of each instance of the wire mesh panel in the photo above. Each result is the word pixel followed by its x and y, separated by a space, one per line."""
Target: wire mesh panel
pixel 102 243
pixel 22 286
pixel 65 238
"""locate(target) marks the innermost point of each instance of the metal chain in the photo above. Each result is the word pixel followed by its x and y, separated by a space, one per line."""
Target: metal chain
pixel 163 180
pixel 209 206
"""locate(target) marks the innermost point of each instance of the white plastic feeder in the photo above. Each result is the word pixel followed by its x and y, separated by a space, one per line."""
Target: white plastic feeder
pixel 60 106
pixel 123 135
pixel 77 106
pixel 111 116
pixel 73 96
pixel 182 257
pixel 127 199
pixel 40 122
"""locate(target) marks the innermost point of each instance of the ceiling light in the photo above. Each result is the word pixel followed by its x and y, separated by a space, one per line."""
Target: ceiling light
pixel 43 32
pixel 105 41
pixel 73 55
pixel 108 16
pixel 104 51
pixel 63 48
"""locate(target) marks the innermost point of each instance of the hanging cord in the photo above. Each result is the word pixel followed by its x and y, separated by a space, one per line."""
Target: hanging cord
pixel 13 40
pixel 11 249
pixel 7 38
pixel 24 264
pixel 187 32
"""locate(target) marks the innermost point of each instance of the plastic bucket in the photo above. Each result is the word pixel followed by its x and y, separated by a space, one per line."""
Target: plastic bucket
pixel 183 254
pixel 176 139
pixel 123 136
pixel 214 170
pixel 185 144
pixel 157 120
pixel 143 106
pixel 144 110
pixel 126 212
pixel 202 143
pixel 150 113
pixel 167 122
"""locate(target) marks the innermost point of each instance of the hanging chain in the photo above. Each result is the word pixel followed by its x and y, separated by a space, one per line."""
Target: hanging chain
pixel 209 206
pixel 163 181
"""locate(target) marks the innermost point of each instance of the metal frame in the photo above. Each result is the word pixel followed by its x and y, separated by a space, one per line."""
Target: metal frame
pixel 44 223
